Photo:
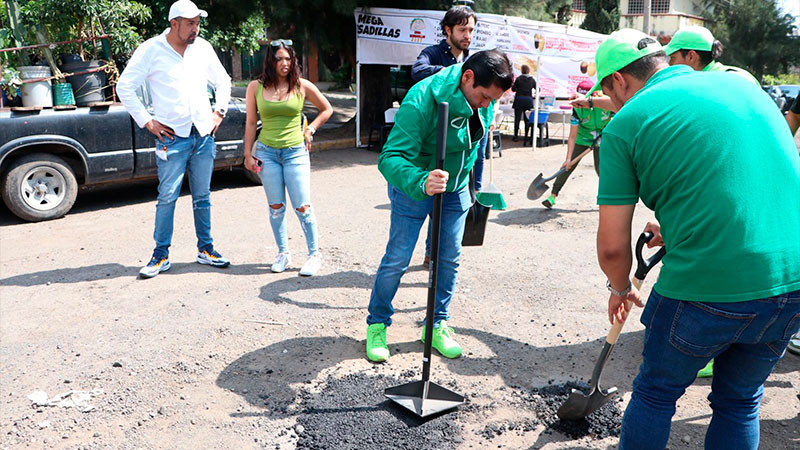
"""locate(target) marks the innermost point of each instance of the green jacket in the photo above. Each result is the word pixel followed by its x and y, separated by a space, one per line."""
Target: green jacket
pixel 410 150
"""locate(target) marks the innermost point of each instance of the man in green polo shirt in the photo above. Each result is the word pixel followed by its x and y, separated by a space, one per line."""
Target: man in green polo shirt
pixel 729 286
pixel 696 47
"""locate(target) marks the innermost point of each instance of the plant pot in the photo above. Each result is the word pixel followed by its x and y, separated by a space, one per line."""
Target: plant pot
pixel 62 94
pixel 88 87
pixel 38 93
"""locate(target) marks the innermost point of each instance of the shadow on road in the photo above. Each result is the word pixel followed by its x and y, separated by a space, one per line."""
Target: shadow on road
pixel 274 377
pixel 276 292
pixel 113 270
pixel 535 216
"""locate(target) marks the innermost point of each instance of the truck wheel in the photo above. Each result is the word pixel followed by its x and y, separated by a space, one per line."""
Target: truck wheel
pixel 39 187
pixel 253 178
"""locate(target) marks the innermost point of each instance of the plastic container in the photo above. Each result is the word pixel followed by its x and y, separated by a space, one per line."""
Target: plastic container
pixel 39 93
pixel 89 87
pixel 62 94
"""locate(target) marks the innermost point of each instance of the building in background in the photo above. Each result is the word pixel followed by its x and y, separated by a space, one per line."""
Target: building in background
pixel 666 16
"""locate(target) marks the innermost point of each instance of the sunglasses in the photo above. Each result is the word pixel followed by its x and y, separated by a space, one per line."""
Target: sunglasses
pixel 279 42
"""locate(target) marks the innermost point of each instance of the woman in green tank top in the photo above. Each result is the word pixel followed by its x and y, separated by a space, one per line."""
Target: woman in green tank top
pixel 280 156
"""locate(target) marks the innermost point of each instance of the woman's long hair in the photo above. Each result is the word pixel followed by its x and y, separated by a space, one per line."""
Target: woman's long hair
pixel 269 75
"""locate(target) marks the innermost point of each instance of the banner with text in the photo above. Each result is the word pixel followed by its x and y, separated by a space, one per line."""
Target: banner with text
pixel 396 37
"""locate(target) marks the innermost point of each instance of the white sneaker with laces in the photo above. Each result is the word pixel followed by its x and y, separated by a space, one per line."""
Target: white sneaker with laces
pixel 311 266
pixel 282 261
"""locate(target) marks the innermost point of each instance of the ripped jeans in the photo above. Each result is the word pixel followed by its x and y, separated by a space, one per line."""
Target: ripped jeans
pixel 288 169
pixel 193 154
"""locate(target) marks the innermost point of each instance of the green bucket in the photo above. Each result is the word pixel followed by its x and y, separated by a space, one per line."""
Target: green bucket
pixel 62 94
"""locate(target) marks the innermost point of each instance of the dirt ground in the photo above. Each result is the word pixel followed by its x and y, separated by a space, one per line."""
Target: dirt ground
pixel 181 360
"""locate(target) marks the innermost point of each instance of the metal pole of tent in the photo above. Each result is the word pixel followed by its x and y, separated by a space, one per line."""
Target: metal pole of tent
pixel 358 101
pixel 536 100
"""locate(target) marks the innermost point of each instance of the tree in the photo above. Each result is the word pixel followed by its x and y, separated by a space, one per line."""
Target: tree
pixel 602 16
pixel 755 36
pixel 544 10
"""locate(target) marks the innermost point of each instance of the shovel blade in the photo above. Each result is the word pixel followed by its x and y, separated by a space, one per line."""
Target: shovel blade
pixel 580 405
pixel 412 396
pixel 537 187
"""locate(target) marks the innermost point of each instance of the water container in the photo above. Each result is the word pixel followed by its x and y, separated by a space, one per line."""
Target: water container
pixel 88 87
pixel 39 93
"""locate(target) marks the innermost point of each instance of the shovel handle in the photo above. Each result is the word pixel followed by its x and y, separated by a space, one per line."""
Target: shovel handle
pixel 643 267
pixel 574 161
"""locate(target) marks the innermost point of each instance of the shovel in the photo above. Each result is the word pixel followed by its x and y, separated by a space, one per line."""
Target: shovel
pixel 538 186
pixel 580 405
pixel 425 398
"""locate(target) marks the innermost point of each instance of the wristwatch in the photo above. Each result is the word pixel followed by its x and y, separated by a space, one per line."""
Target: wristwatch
pixel 621 293
pixel 591 103
pixel 221 112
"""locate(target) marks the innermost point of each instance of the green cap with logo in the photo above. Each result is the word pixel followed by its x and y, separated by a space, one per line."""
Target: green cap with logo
pixel 620 49
pixel 690 38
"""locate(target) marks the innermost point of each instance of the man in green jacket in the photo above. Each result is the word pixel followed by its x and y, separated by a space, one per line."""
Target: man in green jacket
pixel 408 164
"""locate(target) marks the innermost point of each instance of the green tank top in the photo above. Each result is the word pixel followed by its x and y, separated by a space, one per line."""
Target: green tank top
pixel 281 122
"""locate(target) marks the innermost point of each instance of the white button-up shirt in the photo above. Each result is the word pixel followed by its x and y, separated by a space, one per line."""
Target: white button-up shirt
pixel 177 85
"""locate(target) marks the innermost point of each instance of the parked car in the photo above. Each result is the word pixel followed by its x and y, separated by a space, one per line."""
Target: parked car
pixel 777 96
pixel 45 156
pixel 790 92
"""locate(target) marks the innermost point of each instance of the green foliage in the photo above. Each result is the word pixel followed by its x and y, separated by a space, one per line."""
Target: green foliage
pixel 756 36
pixel 602 16
pixel 783 78
pixel 543 10
pixel 73 19
pixel 244 37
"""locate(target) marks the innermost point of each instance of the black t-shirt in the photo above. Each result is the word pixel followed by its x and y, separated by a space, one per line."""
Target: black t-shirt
pixel 524 85
pixel 796 105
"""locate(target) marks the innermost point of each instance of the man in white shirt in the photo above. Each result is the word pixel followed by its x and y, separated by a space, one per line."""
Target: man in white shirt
pixel 179 65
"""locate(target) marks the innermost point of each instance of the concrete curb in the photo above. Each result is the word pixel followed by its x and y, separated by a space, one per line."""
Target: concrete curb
pixel 334 144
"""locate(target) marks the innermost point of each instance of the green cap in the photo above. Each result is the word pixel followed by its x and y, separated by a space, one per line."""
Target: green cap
pixel 690 38
pixel 620 49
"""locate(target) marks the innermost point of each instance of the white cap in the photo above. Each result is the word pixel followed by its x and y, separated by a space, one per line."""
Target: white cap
pixel 185 8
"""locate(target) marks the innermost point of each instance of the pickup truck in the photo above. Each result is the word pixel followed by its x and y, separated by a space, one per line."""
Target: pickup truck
pixel 47 155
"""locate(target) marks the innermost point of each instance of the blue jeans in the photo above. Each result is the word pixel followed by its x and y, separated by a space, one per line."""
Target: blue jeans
pixel 477 171
pixel 406 221
pixel 288 169
pixel 745 340
pixel 193 155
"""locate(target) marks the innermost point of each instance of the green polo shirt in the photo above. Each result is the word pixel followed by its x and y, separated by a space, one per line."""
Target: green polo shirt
pixel 714 66
pixel 590 122
pixel 722 174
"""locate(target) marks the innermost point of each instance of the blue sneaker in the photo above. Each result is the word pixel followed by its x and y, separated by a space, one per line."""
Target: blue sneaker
pixel 156 265
pixel 212 258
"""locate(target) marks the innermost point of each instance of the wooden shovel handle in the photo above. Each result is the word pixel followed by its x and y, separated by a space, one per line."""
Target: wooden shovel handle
pixel 613 335
pixel 577 159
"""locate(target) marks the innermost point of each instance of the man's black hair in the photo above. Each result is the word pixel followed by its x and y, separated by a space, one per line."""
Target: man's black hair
pixel 491 67
pixel 642 68
pixel 706 56
pixel 457 15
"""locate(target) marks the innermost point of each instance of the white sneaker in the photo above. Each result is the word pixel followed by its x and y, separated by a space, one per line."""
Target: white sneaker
pixel 282 261
pixel 311 266
pixel 794 344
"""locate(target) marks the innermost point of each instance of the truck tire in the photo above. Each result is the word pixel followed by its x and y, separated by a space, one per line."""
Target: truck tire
pixel 39 187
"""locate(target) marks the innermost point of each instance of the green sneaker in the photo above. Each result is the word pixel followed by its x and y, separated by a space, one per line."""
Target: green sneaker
pixel 377 350
pixel 707 371
pixel 443 341
pixel 549 202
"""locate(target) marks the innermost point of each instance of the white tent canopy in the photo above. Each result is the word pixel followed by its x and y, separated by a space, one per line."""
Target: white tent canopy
pixel 559 56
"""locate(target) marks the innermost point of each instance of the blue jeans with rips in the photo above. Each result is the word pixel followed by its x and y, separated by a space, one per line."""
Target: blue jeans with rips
pixel 745 339
pixel 406 221
pixel 288 169
pixel 193 155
